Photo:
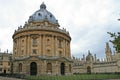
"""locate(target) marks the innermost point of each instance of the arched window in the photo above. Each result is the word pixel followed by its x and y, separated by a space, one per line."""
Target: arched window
pixel 34 51
pixel 48 52
pixel 39 14
pixel 69 67
pixel 48 42
pixel 22 41
pixel 60 53
pixel 62 67
pixel 33 68
pixel 20 67
pixel 49 68
pixel 51 16
pixel 59 44
pixel 22 52
pixel 34 41
pixel 89 70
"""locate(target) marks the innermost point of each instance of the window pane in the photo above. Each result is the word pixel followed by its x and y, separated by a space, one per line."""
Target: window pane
pixel 34 51
pixel 59 43
pixel 34 41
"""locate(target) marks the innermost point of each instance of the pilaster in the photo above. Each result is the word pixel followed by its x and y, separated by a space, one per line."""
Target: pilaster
pixel 39 45
pixel 52 46
pixel 28 43
pixel 44 44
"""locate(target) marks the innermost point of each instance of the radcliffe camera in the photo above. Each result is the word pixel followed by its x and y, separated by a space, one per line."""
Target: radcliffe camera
pixel 45 50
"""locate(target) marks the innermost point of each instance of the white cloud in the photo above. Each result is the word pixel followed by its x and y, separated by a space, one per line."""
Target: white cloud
pixel 86 20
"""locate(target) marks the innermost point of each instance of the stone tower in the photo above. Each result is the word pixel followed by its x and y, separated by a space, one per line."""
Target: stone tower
pixel 108 52
pixel 41 47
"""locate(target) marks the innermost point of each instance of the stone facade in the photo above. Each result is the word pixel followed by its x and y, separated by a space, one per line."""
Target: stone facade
pixel 41 47
pixel 90 64
pixel 5 62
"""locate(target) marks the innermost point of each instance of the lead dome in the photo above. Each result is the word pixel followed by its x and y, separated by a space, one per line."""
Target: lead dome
pixel 43 15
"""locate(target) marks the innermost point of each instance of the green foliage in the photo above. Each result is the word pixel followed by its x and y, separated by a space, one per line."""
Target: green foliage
pixel 116 40
pixel 76 77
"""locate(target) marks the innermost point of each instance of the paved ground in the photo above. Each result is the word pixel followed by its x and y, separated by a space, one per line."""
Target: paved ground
pixel 6 78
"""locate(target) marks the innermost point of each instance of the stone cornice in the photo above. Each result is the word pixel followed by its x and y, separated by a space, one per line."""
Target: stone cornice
pixel 49 29
pixel 42 58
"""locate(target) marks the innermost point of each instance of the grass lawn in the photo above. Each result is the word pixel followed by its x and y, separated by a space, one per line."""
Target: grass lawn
pixel 76 77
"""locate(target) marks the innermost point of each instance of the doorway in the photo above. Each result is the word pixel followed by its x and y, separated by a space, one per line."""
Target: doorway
pixel 4 71
pixel 62 69
pixel 33 68
pixel 89 70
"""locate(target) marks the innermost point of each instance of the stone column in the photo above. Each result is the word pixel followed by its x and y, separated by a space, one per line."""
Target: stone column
pixel 39 46
pixel 26 37
pixel 28 68
pixel 69 52
pixel 44 67
pixel 44 44
pixel 63 53
pixel 14 46
pixel 39 67
pixel 52 46
pixel 55 47
pixel 65 47
pixel 66 68
pixel 18 46
pixel 25 46
pixel 56 68
pixel 28 45
pixel 24 67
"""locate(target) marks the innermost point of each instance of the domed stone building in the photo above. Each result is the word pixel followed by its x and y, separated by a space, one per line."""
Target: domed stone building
pixel 41 47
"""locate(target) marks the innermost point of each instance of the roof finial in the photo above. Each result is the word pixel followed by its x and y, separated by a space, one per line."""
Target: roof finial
pixel 89 52
pixel 42 6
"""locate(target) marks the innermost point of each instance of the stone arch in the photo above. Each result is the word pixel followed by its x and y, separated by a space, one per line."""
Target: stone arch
pixel 62 68
pixel 70 68
pixel 33 68
pixel 5 71
pixel 20 67
pixel 89 69
pixel 49 68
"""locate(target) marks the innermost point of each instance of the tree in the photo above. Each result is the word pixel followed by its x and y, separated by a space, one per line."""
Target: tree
pixel 116 40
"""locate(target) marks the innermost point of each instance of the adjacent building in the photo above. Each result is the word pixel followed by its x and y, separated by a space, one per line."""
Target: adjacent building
pixel 91 64
pixel 5 62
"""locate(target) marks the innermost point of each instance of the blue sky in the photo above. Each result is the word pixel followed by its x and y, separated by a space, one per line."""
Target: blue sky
pixel 88 21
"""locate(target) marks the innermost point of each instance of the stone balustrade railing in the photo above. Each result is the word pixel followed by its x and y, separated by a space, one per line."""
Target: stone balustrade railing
pixel 42 28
